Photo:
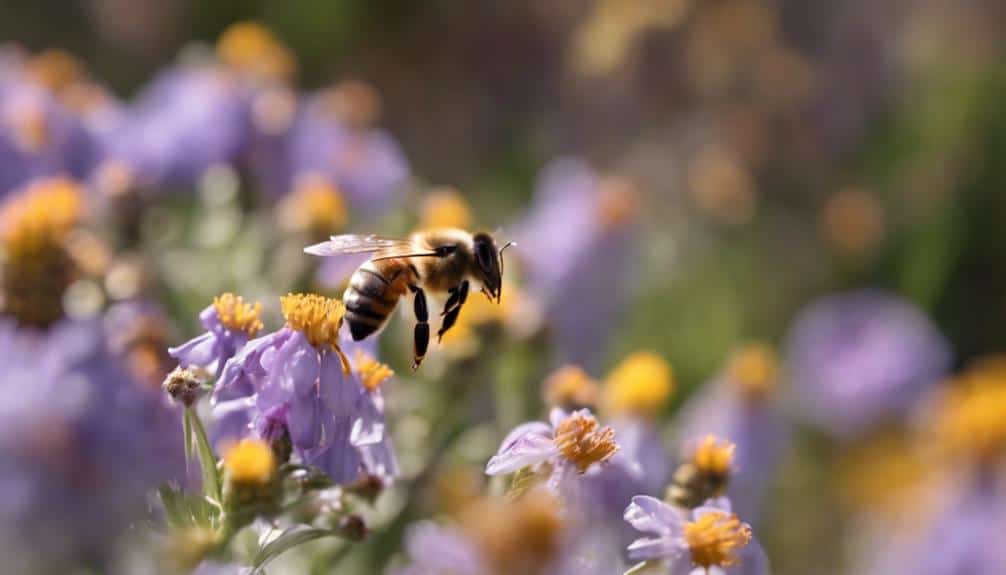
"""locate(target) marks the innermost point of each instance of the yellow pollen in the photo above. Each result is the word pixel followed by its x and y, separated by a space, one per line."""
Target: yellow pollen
pixel 318 318
pixel 250 47
pixel 715 538
pixel 250 461
pixel 713 456
pixel 372 372
pixel 582 442
pixel 754 368
pixel 41 215
pixel 972 417
pixel 55 70
pixel 640 385
pixel 315 205
pixel 236 315
pixel 571 386
pixel 445 208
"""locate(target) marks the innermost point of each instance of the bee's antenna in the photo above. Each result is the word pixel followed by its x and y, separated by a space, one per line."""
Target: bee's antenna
pixel 499 296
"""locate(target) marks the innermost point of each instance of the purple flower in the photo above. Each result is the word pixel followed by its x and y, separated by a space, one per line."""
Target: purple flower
pixel 576 246
pixel 858 358
pixel 738 406
pixel 39 138
pixel 332 138
pixel 710 538
pixel 570 445
pixel 189 119
pixel 229 323
pixel 297 381
pixel 81 444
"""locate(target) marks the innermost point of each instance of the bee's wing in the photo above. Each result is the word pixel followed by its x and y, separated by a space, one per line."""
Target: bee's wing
pixel 382 247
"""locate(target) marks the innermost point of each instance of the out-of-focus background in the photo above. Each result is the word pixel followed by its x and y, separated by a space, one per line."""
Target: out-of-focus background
pixel 806 198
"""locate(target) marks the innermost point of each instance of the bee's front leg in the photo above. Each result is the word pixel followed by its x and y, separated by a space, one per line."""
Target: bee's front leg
pixel 421 334
pixel 453 308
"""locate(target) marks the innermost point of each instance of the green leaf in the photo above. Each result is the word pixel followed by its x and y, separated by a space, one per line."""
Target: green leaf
pixel 643 568
pixel 173 506
pixel 287 540
pixel 207 461
pixel 184 510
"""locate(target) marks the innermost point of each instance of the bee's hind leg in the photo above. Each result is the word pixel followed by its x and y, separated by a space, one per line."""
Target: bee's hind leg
pixel 453 308
pixel 421 333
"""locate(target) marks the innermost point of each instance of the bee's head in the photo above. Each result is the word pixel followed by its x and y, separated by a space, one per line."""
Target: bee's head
pixel 489 264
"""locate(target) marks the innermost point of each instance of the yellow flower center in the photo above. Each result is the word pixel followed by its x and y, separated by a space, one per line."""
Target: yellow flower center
pixel 617 203
pixel 582 442
pixel 43 213
pixel 972 418
pixel 35 266
pixel 715 538
pixel 318 318
pixel 713 456
pixel 570 386
pixel 640 385
pixel 236 315
pixel 250 461
pixel 445 208
pixel 315 205
pixel 55 70
pixel 372 372
pixel 523 536
pixel 250 47
pixel 754 368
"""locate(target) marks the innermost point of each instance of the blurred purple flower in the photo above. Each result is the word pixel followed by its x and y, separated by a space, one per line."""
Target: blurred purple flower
pixel 363 162
pixel 857 358
pixel 576 248
pixel 81 444
pixel 38 137
pixel 189 119
pixel 709 539
pixel 229 324
pixel 738 406
pixel 570 444
pixel 434 550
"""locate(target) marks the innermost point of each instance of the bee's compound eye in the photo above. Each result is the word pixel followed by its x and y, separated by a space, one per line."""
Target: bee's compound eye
pixel 484 255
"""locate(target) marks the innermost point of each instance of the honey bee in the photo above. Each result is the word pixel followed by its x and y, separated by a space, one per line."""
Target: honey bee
pixel 441 261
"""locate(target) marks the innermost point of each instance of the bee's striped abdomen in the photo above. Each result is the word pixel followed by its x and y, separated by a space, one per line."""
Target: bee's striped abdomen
pixel 370 298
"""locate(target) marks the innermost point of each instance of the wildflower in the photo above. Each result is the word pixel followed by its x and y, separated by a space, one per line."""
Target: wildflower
pixel 738 405
pixel 569 387
pixel 858 358
pixel 970 418
pixel 572 442
pixel 445 208
pixel 709 537
pixel 39 137
pixel 252 49
pixel 164 140
pixel 36 266
pixel 492 537
pixel 705 474
pixel 82 443
pixel 296 383
pixel 333 136
pixel 314 206
pixel 640 385
pixel 576 245
pixel 249 461
pixel 230 323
